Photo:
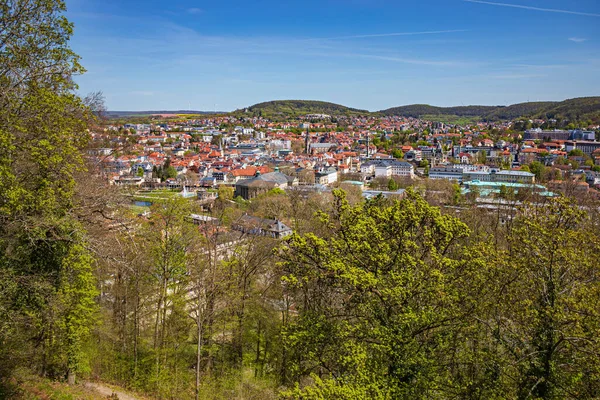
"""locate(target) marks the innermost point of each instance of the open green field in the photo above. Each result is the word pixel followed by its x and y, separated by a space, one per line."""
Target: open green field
pixel 451 119
pixel 158 196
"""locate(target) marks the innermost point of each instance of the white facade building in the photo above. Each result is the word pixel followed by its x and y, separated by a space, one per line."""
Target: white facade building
pixel 388 168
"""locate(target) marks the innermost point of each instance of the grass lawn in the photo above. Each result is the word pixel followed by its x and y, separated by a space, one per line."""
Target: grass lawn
pixel 451 119
pixel 34 388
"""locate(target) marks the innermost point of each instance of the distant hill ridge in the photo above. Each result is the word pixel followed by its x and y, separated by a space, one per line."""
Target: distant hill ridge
pixel 137 113
pixel 291 107
pixel 574 109
pixel 581 108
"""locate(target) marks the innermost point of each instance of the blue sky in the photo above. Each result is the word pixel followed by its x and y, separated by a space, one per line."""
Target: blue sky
pixel 370 54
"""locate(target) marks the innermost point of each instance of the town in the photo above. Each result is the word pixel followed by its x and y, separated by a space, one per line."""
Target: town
pixel 317 152
pixel 299 200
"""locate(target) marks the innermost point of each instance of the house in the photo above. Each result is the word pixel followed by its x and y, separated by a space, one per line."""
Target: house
pixel 262 227
pixel 326 176
pixel 208 181
pixel 198 219
pixel 321 147
pixel 592 178
pixel 388 168
pixel 250 188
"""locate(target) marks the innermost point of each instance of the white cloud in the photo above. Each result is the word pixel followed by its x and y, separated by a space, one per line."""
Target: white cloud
pixel 577 39
pixel 194 10
pixel 552 10
pixel 375 35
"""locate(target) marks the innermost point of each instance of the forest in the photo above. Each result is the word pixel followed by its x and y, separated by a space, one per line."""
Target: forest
pixel 400 298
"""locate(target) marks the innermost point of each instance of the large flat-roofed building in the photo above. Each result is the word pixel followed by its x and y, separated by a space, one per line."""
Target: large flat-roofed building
pixel 578 134
pixel 486 189
pixel 445 172
pixel 555 134
pixel 588 147
pixel 388 168
pixel 500 176
pixel 455 172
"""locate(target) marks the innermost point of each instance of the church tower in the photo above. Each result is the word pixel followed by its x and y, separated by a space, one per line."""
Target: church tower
pixel 306 141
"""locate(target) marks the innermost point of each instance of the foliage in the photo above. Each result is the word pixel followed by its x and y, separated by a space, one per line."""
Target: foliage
pixel 543 314
pixel 576 153
pixel 42 245
pixel 164 172
pixel 578 109
pixel 302 107
pixel 398 154
pixel 418 110
pixel 377 298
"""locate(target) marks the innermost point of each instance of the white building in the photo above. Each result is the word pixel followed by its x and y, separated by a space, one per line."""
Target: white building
pixel 388 168
pixel 326 177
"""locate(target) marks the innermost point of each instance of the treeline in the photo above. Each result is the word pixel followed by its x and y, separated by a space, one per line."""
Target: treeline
pixel 573 110
pixel 578 109
pixel 367 299
pixel 292 108
pixel 387 298
pixel 418 110
pixel 47 285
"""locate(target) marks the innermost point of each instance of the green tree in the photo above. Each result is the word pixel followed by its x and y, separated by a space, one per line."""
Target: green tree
pixel 378 296
pixel 397 153
pixel 42 245
pixel 482 157
pixel 456 194
pixel 544 305
pixel 576 153
pixel 170 172
pixel 392 185
pixel 538 169
pixel 168 238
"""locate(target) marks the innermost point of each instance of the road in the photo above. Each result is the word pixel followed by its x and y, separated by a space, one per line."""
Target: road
pixel 107 391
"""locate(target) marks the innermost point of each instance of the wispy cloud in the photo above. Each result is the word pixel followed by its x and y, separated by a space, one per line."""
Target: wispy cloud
pixel 542 66
pixel 377 35
pixel 552 10
pixel 517 76
pixel 577 39
pixel 194 10
pixel 403 60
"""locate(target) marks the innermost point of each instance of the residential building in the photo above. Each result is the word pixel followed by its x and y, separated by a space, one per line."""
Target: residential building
pixel 326 176
pixel 250 188
pixel 586 146
pixel 500 176
pixel 388 168
pixel 262 227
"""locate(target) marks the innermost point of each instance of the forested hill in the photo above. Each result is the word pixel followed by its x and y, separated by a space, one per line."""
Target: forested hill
pixel 582 108
pixel 577 109
pixel 302 107
pixel 519 110
pixel 418 110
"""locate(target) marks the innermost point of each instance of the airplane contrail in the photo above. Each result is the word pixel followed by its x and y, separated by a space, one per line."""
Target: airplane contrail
pixel 553 10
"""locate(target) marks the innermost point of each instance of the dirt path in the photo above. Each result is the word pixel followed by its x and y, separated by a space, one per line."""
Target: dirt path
pixel 107 391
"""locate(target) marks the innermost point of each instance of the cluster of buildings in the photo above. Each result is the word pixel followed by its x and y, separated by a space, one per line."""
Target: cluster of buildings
pixel 254 155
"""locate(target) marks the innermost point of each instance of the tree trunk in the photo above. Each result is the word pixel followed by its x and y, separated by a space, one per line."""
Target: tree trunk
pixel 257 360
pixel 70 377
pixel 198 353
